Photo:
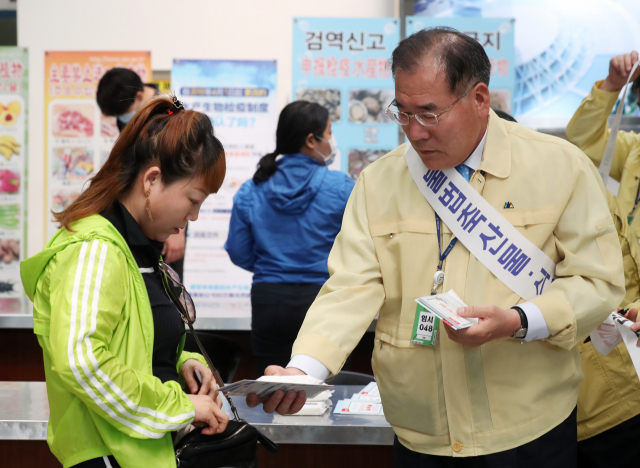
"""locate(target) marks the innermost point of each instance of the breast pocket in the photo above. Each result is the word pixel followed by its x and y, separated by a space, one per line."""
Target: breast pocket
pixel 408 256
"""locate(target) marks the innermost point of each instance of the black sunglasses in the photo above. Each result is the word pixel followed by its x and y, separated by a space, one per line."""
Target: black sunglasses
pixel 183 302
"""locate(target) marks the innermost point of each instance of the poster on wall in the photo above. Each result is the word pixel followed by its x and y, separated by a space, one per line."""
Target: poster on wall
pixel 240 98
pixel 496 35
pixel 561 48
pixel 78 138
pixel 344 65
pixel 14 92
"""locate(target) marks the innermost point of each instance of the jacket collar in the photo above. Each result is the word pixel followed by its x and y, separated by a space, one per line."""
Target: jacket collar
pixel 496 158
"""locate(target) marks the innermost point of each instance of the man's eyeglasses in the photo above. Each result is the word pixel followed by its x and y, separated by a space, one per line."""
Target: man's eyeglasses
pixel 426 119
pixel 183 302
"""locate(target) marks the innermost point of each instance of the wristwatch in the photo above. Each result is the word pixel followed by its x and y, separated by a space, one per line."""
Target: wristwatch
pixel 524 324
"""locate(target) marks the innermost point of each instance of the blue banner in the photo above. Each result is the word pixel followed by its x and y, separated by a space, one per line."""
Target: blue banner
pixel 344 65
pixel 497 37
pixel 240 97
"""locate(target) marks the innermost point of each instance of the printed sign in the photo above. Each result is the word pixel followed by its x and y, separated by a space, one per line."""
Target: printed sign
pixel 14 95
pixel 240 98
pixel 344 65
pixel 78 138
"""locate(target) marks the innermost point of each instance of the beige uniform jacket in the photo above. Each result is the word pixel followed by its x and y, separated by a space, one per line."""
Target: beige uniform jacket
pixel 610 391
pixel 589 130
pixel 452 399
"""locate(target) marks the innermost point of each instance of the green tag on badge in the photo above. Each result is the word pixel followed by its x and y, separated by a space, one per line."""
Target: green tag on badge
pixel 425 327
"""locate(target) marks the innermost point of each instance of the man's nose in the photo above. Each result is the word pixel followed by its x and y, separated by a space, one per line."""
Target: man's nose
pixel 416 131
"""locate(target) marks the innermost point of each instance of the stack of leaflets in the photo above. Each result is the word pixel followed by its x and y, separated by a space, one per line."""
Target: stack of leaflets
pixel 365 402
pixel 266 386
pixel 445 307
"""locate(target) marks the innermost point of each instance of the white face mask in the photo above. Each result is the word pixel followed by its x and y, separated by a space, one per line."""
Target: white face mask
pixel 333 144
pixel 124 118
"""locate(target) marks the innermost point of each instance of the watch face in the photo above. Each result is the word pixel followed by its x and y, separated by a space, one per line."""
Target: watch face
pixel 520 333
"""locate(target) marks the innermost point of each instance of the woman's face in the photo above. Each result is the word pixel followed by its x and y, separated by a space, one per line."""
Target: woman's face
pixel 172 206
pixel 323 145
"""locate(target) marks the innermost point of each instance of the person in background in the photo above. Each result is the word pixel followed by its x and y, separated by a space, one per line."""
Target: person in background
pixel 283 224
pixel 609 398
pixel 121 94
pixel 589 131
pixel 112 338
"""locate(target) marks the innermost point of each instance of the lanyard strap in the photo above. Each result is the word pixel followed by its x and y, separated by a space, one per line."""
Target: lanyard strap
pixel 452 244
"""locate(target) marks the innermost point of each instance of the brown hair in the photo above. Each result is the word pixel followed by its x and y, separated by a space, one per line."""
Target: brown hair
pixel 180 142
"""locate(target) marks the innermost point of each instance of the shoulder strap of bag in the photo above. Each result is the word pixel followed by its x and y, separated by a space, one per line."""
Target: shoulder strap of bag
pixel 505 252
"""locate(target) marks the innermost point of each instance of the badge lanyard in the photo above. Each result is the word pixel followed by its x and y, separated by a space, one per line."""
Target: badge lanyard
pixel 438 276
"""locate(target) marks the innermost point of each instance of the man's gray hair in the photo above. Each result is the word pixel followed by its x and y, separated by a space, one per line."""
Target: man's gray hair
pixel 461 58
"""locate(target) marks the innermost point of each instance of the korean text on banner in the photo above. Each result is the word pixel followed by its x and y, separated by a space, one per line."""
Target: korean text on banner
pixel 14 79
pixel 78 138
pixel 496 35
pixel 240 98
pixel 344 65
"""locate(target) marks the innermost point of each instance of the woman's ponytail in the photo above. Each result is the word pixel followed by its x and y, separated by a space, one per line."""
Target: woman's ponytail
pixel 266 168
pixel 297 120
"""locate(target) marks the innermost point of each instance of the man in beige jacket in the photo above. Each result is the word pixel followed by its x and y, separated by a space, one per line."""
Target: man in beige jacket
pixel 478 392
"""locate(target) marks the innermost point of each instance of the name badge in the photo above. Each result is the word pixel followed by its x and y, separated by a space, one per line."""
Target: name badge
pixel 425 327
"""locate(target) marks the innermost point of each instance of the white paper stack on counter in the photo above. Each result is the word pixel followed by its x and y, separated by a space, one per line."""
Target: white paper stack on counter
pixel 445 306
pixel 314 406
pixel 365 402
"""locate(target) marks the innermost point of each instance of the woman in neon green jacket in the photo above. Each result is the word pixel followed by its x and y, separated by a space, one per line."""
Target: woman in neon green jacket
pixel 111 338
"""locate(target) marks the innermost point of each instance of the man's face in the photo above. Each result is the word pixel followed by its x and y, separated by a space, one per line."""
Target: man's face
pixel 460 129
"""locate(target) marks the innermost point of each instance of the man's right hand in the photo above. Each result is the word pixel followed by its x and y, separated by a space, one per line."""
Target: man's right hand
pixel 280 402
pixel 619 69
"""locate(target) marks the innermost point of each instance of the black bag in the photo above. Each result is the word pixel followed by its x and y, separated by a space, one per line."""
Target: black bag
pixel 234 448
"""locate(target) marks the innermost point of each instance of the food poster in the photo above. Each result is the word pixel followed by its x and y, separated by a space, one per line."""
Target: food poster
pixel 78 138
pixel 497 37
pixel 344 65
pixel 14 91
pixel 240 98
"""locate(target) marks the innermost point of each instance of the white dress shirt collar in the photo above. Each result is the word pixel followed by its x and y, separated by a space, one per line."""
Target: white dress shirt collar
pixel 475 159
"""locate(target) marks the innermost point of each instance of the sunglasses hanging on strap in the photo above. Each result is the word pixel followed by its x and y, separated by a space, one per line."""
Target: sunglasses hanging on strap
pixel 236 446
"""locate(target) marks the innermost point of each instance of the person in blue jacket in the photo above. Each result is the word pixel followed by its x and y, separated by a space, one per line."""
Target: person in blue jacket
pixel 283 225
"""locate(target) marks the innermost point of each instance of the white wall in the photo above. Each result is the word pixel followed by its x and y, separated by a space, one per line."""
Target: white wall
pixel 197 29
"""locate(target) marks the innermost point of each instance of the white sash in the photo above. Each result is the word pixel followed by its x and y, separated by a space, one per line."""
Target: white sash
pixel 607 159
pixel 511 257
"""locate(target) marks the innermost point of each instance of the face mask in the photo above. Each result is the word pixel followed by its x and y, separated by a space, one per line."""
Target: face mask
pixel 333 144
pixel 124 118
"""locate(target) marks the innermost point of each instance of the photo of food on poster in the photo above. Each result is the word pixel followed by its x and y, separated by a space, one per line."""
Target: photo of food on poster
pixel 78 137
pixel 13 187
pixel 343 64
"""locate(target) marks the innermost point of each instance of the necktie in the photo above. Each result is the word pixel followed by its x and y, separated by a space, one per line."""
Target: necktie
pixel 465 171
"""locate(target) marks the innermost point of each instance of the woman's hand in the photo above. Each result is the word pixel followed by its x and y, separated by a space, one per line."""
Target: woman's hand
pixel 174 247
pixel 208 413
pixel 207 386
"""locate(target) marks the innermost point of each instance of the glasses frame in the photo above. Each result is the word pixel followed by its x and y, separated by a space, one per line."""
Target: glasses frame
pixel 184 314
pixel 389 112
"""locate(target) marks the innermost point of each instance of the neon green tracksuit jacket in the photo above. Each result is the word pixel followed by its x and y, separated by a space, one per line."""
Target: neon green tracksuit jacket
pixel 93 319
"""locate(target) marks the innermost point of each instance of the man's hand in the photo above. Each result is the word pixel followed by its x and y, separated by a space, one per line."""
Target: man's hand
pixel 174 247
pixel 280 402
pixel 493 323
pixel 633 316
pixel 619 69
pixel 208 385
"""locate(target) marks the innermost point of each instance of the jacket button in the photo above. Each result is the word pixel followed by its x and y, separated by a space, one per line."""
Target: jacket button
pixel 457 447
pixel 391 236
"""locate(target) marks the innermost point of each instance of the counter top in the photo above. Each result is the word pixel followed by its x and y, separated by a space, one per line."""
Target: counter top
pixel 24 412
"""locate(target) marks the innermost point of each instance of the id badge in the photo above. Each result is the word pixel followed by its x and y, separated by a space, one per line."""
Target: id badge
pixel 425 327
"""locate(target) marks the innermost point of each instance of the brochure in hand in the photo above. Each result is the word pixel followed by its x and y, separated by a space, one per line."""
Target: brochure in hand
pixel 265 389
pixel 445 306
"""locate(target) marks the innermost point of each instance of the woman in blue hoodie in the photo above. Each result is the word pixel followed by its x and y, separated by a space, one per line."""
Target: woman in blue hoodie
pixel 283 224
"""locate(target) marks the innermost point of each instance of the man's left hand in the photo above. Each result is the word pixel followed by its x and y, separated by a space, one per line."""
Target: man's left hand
pixel 207 386
pixel 174 247
pixel 493 323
